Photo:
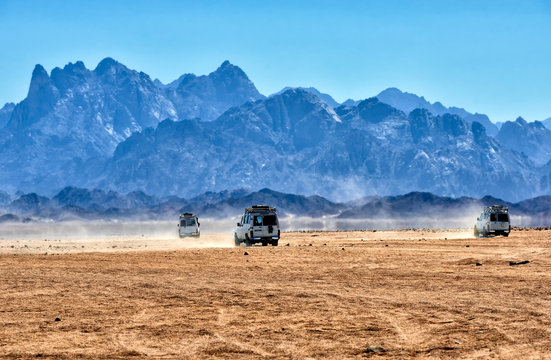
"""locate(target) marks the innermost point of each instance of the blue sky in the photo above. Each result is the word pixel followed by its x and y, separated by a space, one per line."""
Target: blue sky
pixel 492 57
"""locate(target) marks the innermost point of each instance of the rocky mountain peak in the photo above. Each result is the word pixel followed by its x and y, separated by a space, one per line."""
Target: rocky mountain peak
pixel 41 83
pixel 521 121
pixel 407 102
pixel 109 65
pixel 533 139
pixel 39 74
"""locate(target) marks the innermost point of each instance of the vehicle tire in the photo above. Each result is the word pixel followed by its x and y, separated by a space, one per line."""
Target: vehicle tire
pixel 506 234
pixel 264 243
pixel 274 242
pixel 247 240
pixel 236 240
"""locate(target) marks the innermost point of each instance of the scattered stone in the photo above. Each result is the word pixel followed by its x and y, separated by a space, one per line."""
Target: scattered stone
pixel 512 263
pixel 245 253
pixel 282 329
pixel 386 245
pixel 310 245
pixel 57 319
pixel 478 264
pixel 342 249
pixel 375 349
pixel 288 244
pixel 324 244
pixel 457 342
pixel 467 245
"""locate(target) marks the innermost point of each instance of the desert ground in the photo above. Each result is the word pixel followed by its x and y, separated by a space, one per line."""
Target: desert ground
pixel 320 294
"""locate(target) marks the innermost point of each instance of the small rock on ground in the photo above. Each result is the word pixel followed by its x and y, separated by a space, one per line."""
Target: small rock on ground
pixel 375 349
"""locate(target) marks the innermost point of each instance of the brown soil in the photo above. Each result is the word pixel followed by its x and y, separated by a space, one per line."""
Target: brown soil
pixel 416 293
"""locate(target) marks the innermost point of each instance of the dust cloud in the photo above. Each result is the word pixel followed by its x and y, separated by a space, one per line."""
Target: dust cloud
pixel 113 235
pixel 109 236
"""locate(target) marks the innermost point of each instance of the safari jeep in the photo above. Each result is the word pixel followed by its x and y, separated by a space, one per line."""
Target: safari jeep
pixel 189 225
pixel 258 225
pixel 494 220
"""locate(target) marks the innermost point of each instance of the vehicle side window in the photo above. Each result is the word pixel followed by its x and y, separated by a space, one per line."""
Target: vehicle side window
pixel 493 217
pixel 247 219
pixel 257 220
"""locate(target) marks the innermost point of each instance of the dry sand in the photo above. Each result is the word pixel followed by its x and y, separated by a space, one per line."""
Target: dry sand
pixel 413 293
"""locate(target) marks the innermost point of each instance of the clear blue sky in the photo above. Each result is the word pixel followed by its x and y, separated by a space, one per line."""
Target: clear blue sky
pixel 492 57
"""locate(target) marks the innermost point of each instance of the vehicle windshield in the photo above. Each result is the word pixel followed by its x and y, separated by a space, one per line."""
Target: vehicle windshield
pixel 190 222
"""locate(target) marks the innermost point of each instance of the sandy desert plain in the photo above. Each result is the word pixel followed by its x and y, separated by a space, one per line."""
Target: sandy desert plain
pixel 321 294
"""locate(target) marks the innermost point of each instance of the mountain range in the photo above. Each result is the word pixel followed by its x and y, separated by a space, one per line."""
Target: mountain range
pixel 115 129
pixel 92 204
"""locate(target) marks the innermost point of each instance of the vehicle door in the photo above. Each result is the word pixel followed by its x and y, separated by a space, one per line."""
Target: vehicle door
pixel 182 226
pixel 240 230
pixel 500 221
pixel 191 225
pixel 257 227
pixel 270 225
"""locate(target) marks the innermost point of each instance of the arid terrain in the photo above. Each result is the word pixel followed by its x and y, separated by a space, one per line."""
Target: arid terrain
pixel 357 294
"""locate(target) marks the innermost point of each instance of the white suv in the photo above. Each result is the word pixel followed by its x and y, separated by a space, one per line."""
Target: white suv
pixel 259 224
pixel 494 220
pixel 189 225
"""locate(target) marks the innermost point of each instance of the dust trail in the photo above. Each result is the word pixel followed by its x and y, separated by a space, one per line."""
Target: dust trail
pixel 292 223
pixel 107 236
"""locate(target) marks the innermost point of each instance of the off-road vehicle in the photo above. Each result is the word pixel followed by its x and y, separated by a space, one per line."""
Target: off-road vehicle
pixel 494 220
pixel 258 225
pixel 189 225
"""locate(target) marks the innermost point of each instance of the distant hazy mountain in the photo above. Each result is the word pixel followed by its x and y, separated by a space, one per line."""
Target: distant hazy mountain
pixel 78 203
pixel 547 123
pixel 324 97
pixel 255 145
pixel 408 102
pixel 350 102
pixel 295 142
pixel 533 139
pixel 72 120
pixel 207 97
pixel 113 128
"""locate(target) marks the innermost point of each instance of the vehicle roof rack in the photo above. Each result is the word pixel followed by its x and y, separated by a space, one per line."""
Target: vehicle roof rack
pixel 187 214
pixel 496 208
pixel 260 208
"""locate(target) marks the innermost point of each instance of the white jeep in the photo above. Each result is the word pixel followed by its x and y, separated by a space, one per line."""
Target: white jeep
pixel 494 220
pixel 189 225
pixel 259 224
